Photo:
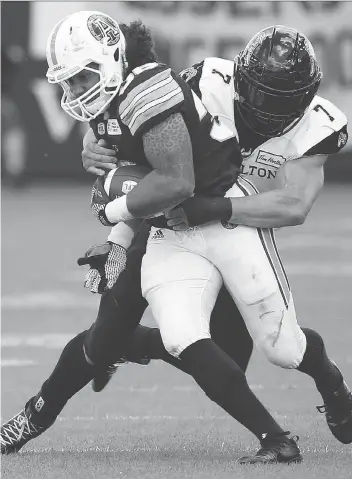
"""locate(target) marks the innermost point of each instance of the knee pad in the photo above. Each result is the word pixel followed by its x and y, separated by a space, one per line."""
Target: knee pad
pixel 175 344
pixel 281 355
pixel 286 347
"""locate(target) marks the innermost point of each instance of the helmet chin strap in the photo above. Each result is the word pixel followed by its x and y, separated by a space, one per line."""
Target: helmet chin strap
pixel 96 105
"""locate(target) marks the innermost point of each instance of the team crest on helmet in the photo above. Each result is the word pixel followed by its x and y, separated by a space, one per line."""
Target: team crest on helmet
pixel 101 26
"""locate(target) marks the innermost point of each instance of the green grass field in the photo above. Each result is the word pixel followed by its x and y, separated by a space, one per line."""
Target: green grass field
pixel 153 421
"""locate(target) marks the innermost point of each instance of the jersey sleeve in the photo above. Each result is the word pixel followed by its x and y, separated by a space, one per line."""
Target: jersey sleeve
pixel 149 96
pixel 331 144
pixel 321 131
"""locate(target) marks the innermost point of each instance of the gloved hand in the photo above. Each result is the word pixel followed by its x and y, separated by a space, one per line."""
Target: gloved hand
pixel 106 261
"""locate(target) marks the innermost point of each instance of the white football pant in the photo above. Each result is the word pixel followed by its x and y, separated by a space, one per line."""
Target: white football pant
pixel 182 273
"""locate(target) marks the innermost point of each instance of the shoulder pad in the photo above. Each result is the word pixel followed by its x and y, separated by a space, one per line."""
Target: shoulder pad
pixel 329 114
pixel 217 89
pixel 331 144
pixel 321 121
pixel 148 92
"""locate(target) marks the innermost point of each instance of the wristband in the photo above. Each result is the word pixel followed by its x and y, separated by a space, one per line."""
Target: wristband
pixel 221 208
pixel 121 234
pixel 117 210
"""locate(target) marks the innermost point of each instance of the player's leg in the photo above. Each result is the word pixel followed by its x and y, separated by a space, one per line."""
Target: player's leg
pixel 316 363
pixel 181 288
pixel 83 357
pixel 229 331
pixel 260 287
pixel 120 311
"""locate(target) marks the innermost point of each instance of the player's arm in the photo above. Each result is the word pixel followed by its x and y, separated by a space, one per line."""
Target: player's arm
pixel 299 183
pixel 168 149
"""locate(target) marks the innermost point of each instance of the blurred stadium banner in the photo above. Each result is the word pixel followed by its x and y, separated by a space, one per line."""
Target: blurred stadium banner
pixel 184 32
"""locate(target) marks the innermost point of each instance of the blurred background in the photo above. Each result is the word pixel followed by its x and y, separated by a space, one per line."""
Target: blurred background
pixel 41 141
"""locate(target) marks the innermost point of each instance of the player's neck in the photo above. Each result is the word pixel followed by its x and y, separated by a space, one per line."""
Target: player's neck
pixel 248 138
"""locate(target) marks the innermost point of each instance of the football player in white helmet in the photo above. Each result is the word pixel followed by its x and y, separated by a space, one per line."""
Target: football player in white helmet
pixel 86 55
pixel 154 119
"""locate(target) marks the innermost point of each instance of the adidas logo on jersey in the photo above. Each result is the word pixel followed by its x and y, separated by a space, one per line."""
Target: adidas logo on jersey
pixel 158 235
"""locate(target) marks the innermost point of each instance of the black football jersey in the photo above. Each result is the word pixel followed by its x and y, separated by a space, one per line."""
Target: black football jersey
pixel 150 94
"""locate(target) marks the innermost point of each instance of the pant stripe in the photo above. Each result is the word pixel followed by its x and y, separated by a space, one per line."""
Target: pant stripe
pixel 267 239
pixel 250 185
pixel 278 257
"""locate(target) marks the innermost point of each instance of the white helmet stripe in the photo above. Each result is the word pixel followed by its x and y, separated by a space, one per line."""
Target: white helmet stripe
pixel 52 44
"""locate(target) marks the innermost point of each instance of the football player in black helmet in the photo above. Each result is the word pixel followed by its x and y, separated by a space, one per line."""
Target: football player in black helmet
pixel 272 84
pixel 276 77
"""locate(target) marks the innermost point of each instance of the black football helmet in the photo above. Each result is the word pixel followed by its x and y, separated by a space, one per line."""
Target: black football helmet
pixel 276 78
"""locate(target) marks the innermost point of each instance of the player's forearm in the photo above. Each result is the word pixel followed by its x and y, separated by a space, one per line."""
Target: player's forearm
pixel 123 233
pixel 150 197
pixel 272 209
pixel 156 193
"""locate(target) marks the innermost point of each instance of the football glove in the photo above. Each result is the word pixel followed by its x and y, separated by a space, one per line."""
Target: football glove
pixel 106 261
pixel 99 200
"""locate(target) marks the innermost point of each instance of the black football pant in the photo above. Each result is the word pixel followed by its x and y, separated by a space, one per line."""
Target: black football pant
pixel 116 333
pixel 121 310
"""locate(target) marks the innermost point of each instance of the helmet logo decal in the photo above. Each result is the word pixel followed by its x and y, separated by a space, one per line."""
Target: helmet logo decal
pixel 103 29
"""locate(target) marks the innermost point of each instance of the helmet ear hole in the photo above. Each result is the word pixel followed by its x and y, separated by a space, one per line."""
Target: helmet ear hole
pixel 117 55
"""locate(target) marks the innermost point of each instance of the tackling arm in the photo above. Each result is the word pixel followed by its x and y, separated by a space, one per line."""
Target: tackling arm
pixel 168 149
pixel 299 182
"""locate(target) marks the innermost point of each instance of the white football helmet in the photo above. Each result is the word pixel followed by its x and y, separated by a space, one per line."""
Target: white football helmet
pixel 76 41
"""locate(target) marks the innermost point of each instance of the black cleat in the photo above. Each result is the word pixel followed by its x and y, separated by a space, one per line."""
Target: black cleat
pixel 20 429
pixel 338 413
pixel 102 379
pixel 275 450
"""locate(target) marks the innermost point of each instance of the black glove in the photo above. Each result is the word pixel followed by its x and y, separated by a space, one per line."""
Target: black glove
pixel 99 200
pixel 198 210
pixel 106 261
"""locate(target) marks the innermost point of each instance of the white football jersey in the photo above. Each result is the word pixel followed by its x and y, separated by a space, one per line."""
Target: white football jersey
pixel 260 165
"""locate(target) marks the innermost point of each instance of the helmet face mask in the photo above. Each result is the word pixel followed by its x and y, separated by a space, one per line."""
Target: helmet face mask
pixel 276 78
pixel 88 48
pixel 84 93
